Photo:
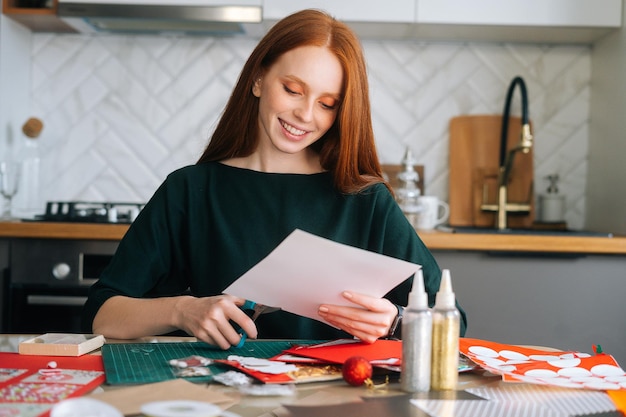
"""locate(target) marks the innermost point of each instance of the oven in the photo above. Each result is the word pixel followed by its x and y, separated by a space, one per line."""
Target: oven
pixel 49 280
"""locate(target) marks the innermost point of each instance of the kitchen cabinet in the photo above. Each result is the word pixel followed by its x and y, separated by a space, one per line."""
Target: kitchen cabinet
pixel 41 19
pixel 49 281
pixel 556 13
pixel 562 301
pixel 402 11
pixel 555 21
pixel 536 21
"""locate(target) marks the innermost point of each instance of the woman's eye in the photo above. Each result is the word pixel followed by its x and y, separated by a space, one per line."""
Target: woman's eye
pixel 289 90
pixel 329 105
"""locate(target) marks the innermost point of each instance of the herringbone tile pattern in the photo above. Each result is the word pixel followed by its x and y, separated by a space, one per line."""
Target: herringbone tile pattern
pixel 123 111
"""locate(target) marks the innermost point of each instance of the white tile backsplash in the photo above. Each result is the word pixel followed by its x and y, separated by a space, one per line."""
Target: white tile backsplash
pixel 121 112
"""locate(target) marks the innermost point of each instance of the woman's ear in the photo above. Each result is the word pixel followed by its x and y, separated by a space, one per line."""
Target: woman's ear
pixel 256 87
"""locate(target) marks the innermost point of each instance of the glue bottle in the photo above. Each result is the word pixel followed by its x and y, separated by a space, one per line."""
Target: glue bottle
pixel 417 327
pixel 445 343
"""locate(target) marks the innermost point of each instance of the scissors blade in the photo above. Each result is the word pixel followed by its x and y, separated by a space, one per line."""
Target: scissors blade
pixel 262 309
pixel 257 309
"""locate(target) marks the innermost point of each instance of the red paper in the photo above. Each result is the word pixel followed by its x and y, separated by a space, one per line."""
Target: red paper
pixel 29 386
pixel 388 352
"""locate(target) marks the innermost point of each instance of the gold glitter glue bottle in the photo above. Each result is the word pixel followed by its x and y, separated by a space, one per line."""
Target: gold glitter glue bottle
pixel 445 342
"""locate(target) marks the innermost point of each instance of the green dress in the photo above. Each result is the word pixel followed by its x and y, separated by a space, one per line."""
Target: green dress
pixel 209 223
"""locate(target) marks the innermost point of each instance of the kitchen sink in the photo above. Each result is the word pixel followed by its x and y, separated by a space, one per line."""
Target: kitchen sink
pixel 533 232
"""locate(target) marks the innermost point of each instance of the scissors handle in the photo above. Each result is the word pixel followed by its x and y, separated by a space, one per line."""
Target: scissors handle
pixel 247 305
pixel 244 336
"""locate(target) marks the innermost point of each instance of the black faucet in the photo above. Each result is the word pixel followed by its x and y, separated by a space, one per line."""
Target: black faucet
pixel 525 145
pixel 507 156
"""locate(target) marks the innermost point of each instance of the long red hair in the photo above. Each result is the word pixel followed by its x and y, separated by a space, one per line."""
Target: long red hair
pixel 348 149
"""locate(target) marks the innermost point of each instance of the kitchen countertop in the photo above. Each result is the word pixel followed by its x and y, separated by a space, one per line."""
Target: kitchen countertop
pixel 435 240
pixel 58 230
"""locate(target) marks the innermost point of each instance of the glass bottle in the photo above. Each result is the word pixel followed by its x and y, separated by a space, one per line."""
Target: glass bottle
pixel 408 193
pixel 29 201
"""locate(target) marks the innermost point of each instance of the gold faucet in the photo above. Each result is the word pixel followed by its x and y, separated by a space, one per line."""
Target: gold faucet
pixel 503 206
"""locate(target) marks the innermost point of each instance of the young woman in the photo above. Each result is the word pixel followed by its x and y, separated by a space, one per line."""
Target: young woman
pixel 293 149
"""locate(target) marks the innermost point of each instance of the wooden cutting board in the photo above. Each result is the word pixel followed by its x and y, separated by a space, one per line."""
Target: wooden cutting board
pixel 474 162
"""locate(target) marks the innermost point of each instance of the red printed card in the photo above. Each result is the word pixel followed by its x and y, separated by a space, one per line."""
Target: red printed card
pixel 29 387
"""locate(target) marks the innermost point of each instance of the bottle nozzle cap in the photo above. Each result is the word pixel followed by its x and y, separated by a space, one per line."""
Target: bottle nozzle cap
pixel 445 296
pixel 418 298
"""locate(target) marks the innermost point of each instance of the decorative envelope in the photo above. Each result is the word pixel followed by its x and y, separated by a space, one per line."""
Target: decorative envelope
pixel 381 352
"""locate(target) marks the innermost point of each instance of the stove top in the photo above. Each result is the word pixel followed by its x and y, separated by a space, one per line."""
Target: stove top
pixel 89 212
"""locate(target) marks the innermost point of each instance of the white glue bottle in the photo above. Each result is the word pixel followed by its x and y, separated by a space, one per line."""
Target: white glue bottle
pixel 445 344
pixel 417 327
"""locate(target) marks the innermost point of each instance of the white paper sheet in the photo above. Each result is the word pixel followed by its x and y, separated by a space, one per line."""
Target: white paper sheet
pixel 305 271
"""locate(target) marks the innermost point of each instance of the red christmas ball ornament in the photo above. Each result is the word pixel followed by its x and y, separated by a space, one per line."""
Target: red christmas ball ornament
pixel 356 370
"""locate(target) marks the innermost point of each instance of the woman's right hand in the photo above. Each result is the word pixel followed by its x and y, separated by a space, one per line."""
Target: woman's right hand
pixel 208 319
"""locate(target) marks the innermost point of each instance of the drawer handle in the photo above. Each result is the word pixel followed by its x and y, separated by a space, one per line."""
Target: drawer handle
pixel 55 300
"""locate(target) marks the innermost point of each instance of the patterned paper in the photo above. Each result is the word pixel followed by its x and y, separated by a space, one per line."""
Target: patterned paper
pixel 562 369
pixel 31 385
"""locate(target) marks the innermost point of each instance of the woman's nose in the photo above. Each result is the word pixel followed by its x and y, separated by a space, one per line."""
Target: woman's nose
pixel 305 111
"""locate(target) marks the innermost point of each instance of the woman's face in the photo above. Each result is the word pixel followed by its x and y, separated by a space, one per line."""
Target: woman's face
pixel 298 98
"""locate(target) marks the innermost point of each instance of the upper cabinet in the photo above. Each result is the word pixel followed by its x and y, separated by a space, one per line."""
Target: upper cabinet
pixel 39 16
pixel 400 11
pixel 544 21
pixel 556 13
pixel 554 21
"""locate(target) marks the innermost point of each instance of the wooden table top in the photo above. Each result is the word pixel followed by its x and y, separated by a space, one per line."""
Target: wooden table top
pixel 335 392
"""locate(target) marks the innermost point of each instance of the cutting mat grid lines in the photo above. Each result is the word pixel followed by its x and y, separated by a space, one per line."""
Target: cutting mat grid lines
pixel 142 363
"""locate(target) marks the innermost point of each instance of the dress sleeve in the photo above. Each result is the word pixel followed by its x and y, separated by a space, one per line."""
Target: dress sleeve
pixel 143 264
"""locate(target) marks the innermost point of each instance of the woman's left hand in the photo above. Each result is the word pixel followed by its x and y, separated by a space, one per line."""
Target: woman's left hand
pixel 369 320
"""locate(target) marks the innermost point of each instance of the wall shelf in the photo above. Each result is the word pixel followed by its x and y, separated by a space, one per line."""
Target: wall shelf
pixel 39 19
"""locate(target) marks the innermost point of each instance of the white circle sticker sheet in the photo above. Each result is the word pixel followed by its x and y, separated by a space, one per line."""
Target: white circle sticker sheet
pixel 558 368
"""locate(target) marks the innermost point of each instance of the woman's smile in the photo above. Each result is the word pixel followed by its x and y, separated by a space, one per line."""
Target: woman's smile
pixel 292 130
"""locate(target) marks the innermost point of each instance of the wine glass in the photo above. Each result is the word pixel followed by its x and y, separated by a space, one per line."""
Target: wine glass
pixel 9 179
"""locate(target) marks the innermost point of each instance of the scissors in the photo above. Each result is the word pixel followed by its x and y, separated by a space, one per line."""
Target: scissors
pixel 257 310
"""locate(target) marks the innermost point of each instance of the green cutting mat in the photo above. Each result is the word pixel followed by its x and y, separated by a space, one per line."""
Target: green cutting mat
pixel 142 363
